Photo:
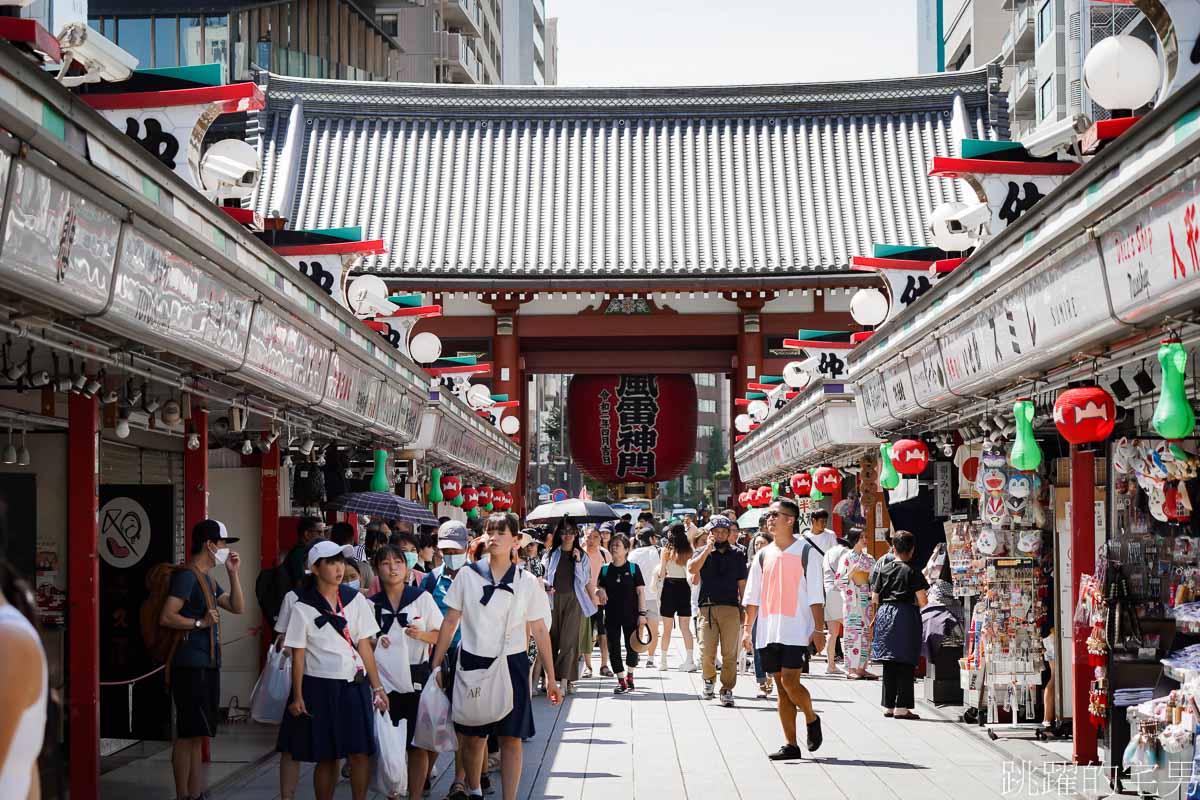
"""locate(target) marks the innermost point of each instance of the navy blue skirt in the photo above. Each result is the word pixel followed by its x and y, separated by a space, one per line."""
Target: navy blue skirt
pixel 897 634
pixel 341 722
pixel 519 722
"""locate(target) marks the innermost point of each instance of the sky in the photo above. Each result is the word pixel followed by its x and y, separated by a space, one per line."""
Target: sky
pixel 714 42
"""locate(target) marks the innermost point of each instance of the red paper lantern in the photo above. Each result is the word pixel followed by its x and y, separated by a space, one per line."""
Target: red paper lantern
pixel 485 496
pixel 744 500
pixel 451 486
pixel 910 456
pixel 508 500
pixel 828 479
pixel 762 496
pixel 470 498
pixel 1086 414
pixel 632 428
pixel 801 484
pixel 500 500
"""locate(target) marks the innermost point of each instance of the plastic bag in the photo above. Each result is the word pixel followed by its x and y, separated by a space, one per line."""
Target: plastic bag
pixel 390 774
pixel 392 662
pixel 269 699
pixel 435 731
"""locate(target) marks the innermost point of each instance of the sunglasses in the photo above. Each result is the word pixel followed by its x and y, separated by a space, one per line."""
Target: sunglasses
pixel 773 514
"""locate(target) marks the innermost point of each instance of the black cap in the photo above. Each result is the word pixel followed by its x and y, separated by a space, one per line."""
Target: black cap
pixel 210 530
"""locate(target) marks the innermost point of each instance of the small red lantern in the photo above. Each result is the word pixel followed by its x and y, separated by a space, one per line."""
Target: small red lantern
pixel 470 498
pixel 801 484
pixel 1085 414
pixel 910 456
pixel 745 500
pixel 762 496
pixel 501 500
pixel 485 496
pixel 451 486
pixel 828 479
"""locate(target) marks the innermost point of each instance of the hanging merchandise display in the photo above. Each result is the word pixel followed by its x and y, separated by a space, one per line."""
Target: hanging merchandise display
pixel 1173 416
pixel 436 495
pixel 889 478
pixel 909 456
pixel 1025 454
pixel 1085 414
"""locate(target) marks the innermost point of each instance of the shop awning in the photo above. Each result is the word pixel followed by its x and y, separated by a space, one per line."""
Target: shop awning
pixel 464 444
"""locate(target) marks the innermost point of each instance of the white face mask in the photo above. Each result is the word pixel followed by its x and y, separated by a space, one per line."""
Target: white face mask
pixel 455 561
pixel 221 554
pixel 353 585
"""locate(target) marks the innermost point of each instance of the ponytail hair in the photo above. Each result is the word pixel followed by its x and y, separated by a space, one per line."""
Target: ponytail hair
pixel 18 592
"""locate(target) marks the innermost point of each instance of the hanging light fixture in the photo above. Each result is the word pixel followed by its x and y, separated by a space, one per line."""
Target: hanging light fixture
pixel 23 456
pixel 10 452
pixel 247 447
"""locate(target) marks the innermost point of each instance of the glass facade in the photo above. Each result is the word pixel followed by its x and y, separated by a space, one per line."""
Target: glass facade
pixel 134 37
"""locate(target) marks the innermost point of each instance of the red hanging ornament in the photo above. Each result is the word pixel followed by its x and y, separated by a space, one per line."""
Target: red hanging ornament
pixel 470 498
pixel 762 496
pixel 485 496
pixel 451 486
pixel 910 456
pixel 1085 414
pixel 801 484
pixel 827 479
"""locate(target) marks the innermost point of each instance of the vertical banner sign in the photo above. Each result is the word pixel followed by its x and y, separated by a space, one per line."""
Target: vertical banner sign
pixel 632 428
pixel 942 494
pixel 137 528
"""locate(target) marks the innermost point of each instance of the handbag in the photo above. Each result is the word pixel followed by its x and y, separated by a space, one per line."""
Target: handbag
pixel 485 696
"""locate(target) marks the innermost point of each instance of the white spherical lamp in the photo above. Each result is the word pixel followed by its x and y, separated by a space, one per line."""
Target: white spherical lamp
pixel 869 306
pixel 479 397
pixel 1121 73
pixel 796 376
pixel 758 410
pixel 938 227
pixel 741 423
pixel 425 348
pixel 509 425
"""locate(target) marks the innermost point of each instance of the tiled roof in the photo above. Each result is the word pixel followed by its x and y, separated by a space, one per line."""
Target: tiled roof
pixel 522 182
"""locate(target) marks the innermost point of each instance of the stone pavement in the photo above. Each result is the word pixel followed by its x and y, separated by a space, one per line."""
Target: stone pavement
pixel 664 743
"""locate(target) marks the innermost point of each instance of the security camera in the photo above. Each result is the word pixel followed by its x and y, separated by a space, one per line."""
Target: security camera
pixel 972 219
pixel 101 58
pixel 1059 138
pixel 229 170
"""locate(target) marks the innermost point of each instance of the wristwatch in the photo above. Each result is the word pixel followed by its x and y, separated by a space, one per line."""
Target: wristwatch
pixel 198 623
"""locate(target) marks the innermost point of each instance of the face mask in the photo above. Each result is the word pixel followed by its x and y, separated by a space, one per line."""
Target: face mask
pixel 353 585
pixel 221 555
pixel 722 545
pixel 410 559
pixel 455 561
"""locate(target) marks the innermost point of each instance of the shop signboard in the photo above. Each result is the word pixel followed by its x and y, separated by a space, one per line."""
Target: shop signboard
pixel 281 354
pixel 872 402
pixel 161 296
pixel 58 245
pixel 928 375
pixel 1152 258
pixel 898 389
pixel 351 389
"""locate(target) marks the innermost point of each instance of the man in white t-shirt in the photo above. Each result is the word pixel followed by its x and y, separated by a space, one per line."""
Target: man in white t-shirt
pixel 647 557
pixel 785 593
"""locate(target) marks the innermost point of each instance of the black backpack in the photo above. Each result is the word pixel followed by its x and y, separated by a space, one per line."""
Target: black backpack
pixel 271 586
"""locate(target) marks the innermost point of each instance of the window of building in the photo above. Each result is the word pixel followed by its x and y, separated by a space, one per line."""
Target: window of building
pixel 165 42
pixel 706 379
pixel 708 406
pixel 216 40
pixel 133 36
pixel 704 431
pixel 1045 21
pixel 1046 98
pixel 390 24
pixel 96 24
pixel 191 41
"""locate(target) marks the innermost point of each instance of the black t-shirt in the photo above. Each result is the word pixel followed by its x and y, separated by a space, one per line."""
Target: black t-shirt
pixel 896 581
pixel 720 575
pixel 621 584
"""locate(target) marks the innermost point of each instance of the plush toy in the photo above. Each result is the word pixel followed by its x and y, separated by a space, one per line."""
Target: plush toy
pixel 1025 453
pixel 1173 416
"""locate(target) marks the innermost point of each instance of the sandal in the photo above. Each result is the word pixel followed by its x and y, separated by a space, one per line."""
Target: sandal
pixel 909 715
pixel 587 673
pixel 889 713
pixel 606 672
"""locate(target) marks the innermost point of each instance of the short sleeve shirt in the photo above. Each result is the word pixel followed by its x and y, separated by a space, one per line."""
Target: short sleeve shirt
pixel 327 654
pixel 193 650
pixel 720 575
pixel 785 592
pixel 285 612
pixel 897 582
pixel 483 626
pixel 621 585
pixel 421 613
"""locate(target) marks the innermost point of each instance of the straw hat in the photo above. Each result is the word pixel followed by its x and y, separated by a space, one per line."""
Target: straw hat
pixel 636 643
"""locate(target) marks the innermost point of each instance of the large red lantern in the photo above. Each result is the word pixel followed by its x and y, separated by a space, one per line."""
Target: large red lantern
pixel 827 479
pixel 632 428
pixel 910 456
pixel 485 496
pixel 1085 414
pixel 451 486
pixel 801 484
pixel 470 498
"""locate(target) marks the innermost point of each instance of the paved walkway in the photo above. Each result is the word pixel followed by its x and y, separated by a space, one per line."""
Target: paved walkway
pixel 664 743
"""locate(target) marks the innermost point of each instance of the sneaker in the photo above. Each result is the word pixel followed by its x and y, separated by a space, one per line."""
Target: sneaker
pixel 458 791
pixel 709 690
pixel 622 687
pixel 814 735
pixel 727 698
pixel 789 752
pixel 662 664
pixel 650 663
pixel 493 762
pixel 485 783
pixel 688 665
pixel 629 683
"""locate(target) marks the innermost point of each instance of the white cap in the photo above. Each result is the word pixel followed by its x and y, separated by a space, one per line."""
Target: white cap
pixel 324 548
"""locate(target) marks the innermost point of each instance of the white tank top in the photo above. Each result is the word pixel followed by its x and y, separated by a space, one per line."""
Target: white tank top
pixel 675 569
pixel 17 769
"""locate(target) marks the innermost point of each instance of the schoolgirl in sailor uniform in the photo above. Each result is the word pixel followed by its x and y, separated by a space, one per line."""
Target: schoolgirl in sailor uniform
pixel 409 621
pixel 485 594
pixel 334 679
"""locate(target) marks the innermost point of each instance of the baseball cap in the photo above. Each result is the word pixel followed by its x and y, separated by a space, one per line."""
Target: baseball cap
pixel 718 521
pixel 453 534
pixel 327 549
pixel 607 527
pixel 211 530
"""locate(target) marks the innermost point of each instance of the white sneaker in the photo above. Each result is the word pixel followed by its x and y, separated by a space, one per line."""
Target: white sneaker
pixel 662 664
pixel 688 665
pixel 650 663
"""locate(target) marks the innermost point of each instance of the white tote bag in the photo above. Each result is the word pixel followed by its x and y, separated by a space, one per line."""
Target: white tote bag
pixel 268 701
pixel 484 696
pixel 392 663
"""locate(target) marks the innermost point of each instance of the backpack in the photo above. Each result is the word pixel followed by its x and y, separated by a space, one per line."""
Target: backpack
pixel 808 546
pixel 632 569
pixel 270 588
pixel 308 485
pixel 160 641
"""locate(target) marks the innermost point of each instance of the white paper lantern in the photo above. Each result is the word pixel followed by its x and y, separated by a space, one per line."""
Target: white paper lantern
pixel 869 306
pixel 425 348
pixel 758 410
pixel 796 376
pixel 509 425
pixel 939 228
pixel 1121 73
pixel 742 423
pixel 479 397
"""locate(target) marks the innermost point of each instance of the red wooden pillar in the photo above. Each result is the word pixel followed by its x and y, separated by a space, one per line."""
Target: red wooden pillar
pixel 83 595
pixel 748 369
pixel 269 522
pixel 507 378
pixel 195 475
pixel 1083 562
pixel 835 497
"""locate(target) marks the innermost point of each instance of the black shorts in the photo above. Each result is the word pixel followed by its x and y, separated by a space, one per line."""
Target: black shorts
pixel 775 657
pixel 675 599
pixel 197 695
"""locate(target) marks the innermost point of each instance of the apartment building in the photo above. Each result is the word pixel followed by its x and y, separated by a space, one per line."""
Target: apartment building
pixel 525 44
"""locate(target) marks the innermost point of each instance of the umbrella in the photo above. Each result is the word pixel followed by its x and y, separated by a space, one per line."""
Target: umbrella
pixel 751 518
pixel 384 504
pixel 578 510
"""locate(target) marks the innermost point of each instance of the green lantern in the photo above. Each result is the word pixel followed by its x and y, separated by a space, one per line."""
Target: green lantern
pixel 435 486
pixel 458 500
pixel 815 493
pixel 888 477
pixel 1173 416
pixel 1025 454
pixel 473 513
pixel 774 489
pixel 379 478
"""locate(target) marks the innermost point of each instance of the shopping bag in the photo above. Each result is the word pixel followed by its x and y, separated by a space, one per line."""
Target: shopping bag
pixel 269 699
pixel 435 731
pixel 390 773
pixel 392 663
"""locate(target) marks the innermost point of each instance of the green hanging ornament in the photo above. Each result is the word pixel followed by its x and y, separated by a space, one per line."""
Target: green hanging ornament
pixel 435 486
pixel 888 477
pixel 815 493
pixel 473 513
pixel 774 489
pixel 1173 416
pixel 1025 454
pixel 458 500
pixel 489 507
pixel 379 478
